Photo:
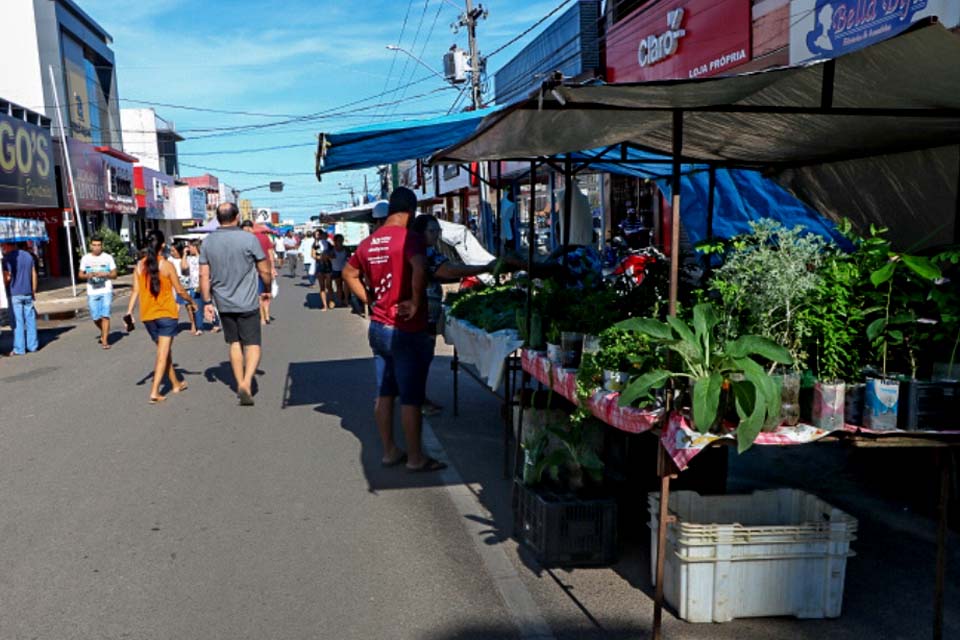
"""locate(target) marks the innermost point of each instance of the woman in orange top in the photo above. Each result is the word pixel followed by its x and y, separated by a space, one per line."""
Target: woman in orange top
pixel 154 283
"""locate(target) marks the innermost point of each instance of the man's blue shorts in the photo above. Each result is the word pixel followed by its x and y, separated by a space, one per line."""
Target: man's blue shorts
pixel 403 362
pixel 99 305
pixel 162 328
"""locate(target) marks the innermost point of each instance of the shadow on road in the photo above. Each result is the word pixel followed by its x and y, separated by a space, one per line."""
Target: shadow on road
pixel 345 389
pixel 223 374
pixel 44 336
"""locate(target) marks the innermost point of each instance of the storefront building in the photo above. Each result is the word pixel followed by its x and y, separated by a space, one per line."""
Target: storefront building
pixel 28 184
pixel 102 179
pixel 59 34
pixel 154 193
pixel 210 186
pixel 570 45
pixel 187 208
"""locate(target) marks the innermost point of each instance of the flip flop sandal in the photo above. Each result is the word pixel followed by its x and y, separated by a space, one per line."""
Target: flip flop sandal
pixel 428 466
pixel 246 400
pixel 157 400
pixel 183 387
pixel 393 463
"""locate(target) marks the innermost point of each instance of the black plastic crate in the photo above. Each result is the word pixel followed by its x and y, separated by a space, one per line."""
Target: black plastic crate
pixel 564 531
pixel 931 406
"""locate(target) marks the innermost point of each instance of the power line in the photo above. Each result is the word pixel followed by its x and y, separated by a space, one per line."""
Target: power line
pixel 528 29
pixel 246 173
pixel 413 46
pixel 393 62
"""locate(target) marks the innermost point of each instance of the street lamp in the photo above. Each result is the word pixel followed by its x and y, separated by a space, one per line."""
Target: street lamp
pixel 396 47
pixel 274 187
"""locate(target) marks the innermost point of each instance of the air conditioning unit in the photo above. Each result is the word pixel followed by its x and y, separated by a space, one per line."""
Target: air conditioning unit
pixel 456 65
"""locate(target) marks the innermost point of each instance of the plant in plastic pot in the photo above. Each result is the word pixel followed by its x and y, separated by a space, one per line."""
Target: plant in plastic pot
pixel 766 283
pixel 554 348
pixel 897 279
pixel 714 369
pixel 623 353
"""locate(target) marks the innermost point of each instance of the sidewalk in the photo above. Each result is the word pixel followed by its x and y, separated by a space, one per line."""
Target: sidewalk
pixel 55 299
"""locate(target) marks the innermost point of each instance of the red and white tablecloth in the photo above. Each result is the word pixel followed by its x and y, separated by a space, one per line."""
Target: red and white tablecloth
pixel 683 442
pixel 603 405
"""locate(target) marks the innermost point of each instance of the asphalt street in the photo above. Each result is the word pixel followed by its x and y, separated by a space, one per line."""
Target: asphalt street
pixel 200 519
pixel 197 518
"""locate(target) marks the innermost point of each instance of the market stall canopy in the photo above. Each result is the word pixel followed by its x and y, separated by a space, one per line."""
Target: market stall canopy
pixel 362 213
pixel 385 143
pixel 835 132
pixel 22 230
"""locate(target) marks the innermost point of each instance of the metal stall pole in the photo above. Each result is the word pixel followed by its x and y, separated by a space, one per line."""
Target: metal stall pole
pixel 945 462
pixel 497 239
pixel 711 186
pixel 455 365
pixel 664 463
pixel 567 203
pixel 531 244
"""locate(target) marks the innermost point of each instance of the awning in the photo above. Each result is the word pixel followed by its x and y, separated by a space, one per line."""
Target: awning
pixel 361 213
pixel 22 230
pixel 835 132
pixel 385 143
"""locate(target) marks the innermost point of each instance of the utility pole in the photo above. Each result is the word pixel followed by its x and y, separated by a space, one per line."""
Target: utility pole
pixel 469 20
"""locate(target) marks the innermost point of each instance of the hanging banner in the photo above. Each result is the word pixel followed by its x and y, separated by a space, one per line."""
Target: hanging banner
pixel 22 230
pixel 679 40
pixel 828 28
pixel 26 164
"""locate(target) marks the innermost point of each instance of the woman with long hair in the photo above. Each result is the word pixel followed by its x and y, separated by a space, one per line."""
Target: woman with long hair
pixel 156 284
pixel 323 258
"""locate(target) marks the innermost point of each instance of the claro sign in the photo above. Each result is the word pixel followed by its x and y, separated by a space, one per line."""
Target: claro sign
pixel 679 39
pixel 26 164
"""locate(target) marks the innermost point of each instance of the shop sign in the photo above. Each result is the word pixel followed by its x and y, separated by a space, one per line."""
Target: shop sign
pixel 829 28
pixel 119 193
pixel 681 39
pixel 26 164
pixel 89 175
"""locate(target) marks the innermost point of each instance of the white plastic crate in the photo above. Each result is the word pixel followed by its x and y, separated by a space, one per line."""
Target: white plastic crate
pixel 769 553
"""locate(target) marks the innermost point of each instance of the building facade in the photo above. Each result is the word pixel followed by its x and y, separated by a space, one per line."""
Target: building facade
pixel 152 139
pixel 58 34
pixel 570 45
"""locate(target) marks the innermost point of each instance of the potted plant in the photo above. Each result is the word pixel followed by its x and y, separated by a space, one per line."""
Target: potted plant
pixel 621 353
pixel 719 372
pixel 554 348
pixel 561 513
pixel 895 278
pixel 767 282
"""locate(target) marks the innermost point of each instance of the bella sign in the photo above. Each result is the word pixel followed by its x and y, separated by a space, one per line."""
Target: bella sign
pixel 653 49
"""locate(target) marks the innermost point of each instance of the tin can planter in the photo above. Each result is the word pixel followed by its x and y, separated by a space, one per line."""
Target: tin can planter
pixel 615 381
pixel 853 397
pixel 880 404
pixel 571 343
pixel 828 405
pixel 555 354
pixel 591 344
pixel 790 399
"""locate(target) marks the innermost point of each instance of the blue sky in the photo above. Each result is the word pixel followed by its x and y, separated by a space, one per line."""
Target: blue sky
pixel 291 58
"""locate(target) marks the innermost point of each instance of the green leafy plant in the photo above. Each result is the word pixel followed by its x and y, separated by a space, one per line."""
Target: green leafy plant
pixel 768 278
pixel 488 308
pixel 901 282
pixel 713 367
pixel 567 454
pixel 623 350
pixel 835 318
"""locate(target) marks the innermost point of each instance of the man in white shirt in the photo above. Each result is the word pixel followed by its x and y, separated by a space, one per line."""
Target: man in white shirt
pixel 306 254
pixel 99 270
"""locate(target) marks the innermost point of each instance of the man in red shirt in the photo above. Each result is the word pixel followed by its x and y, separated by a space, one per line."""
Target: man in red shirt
pixel 392 262
pixel 267 246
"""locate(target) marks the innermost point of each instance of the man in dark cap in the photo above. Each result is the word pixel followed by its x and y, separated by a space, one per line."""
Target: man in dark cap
pixel 392 262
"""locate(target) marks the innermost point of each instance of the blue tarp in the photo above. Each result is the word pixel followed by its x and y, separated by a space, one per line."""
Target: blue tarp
pixel 386 143
pixel 740 196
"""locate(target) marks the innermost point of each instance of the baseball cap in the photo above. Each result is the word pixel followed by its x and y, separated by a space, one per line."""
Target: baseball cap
pixel 403 200
pixel 381 210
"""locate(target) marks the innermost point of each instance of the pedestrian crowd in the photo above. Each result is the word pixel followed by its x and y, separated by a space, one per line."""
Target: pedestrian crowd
pixel 227 281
